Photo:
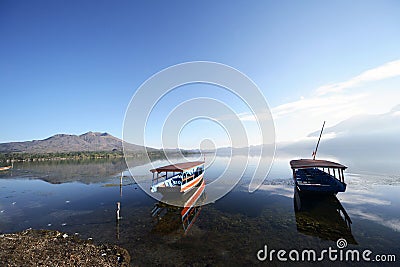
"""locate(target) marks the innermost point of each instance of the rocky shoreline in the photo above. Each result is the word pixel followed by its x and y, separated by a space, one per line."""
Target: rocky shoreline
pixel 53 248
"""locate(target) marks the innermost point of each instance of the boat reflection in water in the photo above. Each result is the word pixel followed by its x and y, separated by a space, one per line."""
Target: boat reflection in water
pixel 323 217
pixel 171 219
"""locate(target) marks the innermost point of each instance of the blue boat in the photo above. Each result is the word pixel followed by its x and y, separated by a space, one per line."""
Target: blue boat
pixel 318 176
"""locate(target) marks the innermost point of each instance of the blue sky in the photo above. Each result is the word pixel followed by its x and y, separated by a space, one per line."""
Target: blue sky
pixel 72 66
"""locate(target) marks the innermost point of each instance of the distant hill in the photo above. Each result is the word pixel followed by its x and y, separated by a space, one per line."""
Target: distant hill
pixel 88 142
pixel 367 136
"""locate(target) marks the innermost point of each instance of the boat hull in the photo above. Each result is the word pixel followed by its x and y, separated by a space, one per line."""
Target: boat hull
pixel 183 199
pixel 317 182
pixel 165 190
pixel 318 190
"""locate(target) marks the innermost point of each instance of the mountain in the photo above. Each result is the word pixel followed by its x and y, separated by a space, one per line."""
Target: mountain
pixel 376 124
pixel 366 142
pixel 88 142
pixel 250 150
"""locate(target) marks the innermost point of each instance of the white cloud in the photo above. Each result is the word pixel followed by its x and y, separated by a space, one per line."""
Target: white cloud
pixel 331 103
pixel 295 120
pixel 250 122
pixel 393 224
pixel 357 199
pixel 316 104
pixel 286 191
pixel 388 70
pixel 245 116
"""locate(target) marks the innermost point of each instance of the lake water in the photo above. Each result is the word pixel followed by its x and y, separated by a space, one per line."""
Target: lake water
pixel 79 197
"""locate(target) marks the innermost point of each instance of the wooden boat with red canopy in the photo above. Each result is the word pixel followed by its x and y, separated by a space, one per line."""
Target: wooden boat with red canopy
pixel 177 178
pixel 5 168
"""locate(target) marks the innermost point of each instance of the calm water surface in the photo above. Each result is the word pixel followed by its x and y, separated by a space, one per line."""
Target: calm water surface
pixel 79 197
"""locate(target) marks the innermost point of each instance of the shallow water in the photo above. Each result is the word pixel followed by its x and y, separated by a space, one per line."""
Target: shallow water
pixel 80 198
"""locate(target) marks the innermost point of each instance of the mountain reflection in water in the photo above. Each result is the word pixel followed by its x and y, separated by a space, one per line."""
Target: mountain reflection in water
pixel 85 171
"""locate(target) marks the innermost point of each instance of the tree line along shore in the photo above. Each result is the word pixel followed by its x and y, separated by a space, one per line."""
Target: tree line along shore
pixel 23 156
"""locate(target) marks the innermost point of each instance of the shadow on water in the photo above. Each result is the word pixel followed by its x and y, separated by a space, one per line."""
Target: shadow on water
pixel 322 216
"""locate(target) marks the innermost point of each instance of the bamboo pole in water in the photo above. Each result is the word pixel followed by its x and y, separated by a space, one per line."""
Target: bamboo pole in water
pixel 316 149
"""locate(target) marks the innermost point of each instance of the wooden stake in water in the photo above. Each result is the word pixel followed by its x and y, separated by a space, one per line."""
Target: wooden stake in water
pixel 118 211
pixel 120 184
pixel 118 229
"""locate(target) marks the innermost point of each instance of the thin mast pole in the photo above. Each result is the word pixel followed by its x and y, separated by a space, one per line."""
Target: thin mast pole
pixel 316 149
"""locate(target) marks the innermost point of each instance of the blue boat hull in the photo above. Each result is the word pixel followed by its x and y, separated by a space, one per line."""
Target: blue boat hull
pixel 315 181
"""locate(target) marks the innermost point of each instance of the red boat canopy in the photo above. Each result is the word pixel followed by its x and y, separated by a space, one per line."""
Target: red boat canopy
pixel 315 163
pixel 178 167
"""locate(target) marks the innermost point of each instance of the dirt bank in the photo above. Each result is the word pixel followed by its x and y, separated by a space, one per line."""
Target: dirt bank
pixel 53 248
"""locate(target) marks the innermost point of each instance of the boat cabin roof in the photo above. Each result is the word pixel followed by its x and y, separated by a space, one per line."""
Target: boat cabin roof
pixel 314 163
pixel 178 167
